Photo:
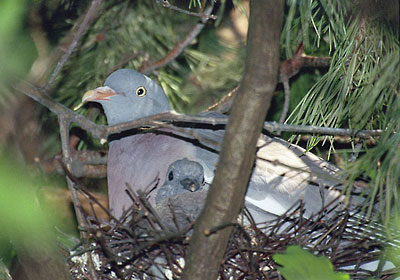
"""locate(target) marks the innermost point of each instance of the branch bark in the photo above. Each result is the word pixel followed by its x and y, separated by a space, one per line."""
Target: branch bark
pixel 160 120
pixel 226 195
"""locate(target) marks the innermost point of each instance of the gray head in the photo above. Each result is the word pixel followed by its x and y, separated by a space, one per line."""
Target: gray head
pixel 182 176
pixel 128 95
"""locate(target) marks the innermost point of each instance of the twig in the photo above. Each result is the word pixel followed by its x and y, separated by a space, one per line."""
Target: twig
pixel 98 131
pixel 66 151
pixel 178 49
pixel 166 4
pixel 312 129
pixel 86 163
pixel 102 132
pixel 288 68
pixel 90 14
pixel 79 186
pixel 124 60
pixel 223 105
pixel 156 120
pixel 285 109
pixel 113 258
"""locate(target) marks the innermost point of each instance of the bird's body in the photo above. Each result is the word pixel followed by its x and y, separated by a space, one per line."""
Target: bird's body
pixel 283 173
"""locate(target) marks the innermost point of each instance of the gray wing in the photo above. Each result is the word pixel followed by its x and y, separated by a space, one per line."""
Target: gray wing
pixel 285 173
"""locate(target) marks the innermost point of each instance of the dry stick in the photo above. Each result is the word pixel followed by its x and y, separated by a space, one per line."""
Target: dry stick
pixel 90 164
pixel 82 188
pixel 109 254
pixel 102 132
pixel 285 110
pixel 64 135
pixel 124 60
pixel 288 68
pixel 166 4
pixel 225 103
pixel 178 49
pixel 85 22
pixel 98 131
pixel 65 123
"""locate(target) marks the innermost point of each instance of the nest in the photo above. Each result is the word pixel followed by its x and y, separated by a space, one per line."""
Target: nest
pixel 139 246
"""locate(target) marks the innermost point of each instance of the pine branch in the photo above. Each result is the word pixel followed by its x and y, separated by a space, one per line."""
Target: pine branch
pixel 166 4
pixel 90 14
pixel 288 69
pixel 179 48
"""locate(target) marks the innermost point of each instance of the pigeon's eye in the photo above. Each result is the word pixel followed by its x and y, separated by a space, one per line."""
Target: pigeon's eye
pixel 170 176
pixel 204 181
pixel 141 91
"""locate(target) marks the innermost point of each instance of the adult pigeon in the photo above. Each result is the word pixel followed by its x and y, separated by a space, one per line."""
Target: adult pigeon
pixel 283 172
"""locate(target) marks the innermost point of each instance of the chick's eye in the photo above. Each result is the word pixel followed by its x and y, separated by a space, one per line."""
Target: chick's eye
pixel 170 176
pixel 141 91
pixel 204 181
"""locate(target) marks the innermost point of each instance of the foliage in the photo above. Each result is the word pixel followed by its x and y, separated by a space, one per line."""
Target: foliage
pixel 16 48
pixel 22 219
pixel 298 264
pixel 358 91
pixel 381 164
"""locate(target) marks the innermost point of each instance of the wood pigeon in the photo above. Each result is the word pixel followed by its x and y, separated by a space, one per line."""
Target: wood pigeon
pixel 283 172
pixel 181 198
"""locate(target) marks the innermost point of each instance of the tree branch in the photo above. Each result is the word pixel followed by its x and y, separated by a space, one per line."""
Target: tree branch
pixel 288 68
pixel 286 103
pixel 178 49
pixel 166 4
pixel 101 132
pixel 89 16
pixel 226 194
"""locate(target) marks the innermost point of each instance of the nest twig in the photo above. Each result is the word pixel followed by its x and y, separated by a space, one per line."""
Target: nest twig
pixel 140 247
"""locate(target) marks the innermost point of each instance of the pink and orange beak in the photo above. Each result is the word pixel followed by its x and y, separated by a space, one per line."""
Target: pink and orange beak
pixel 101 93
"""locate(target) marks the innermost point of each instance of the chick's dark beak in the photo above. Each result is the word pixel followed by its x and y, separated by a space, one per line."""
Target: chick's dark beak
pixel 190 185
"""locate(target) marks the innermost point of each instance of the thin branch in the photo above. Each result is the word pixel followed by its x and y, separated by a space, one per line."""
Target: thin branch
pixel 166 4
pixel 98 131
pixel 288 68
pixel 178 49
pixel 79 186
pixel 124 60
pixel 102 132
pixel 312 129
pixel 66 151
pixel 286 88
pixel 223 105
pixel 90 14
pixel 156 121
pixel 86 163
